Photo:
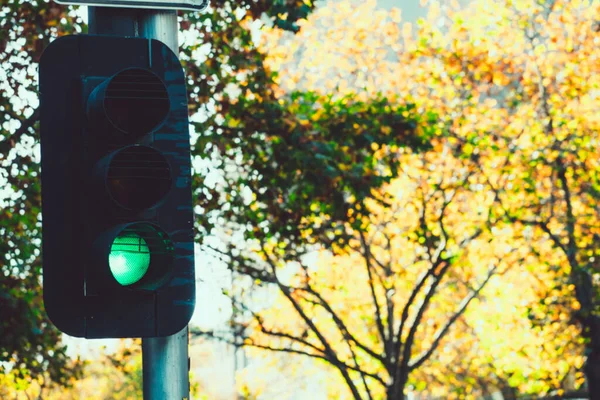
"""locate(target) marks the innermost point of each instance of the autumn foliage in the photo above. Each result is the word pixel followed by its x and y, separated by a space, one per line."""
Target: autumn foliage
pixel 505 198
pixel 412 206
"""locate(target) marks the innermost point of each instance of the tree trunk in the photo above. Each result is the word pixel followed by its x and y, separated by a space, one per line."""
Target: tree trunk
pixel 585 293
pixel 508 393
pixel 592 363
pixel 391 394
pixel 395 391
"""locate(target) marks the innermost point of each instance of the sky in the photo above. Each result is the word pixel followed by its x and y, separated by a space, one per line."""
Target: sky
pixel 411 9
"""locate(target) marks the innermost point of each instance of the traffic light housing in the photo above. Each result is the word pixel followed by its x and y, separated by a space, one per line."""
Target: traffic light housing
pixel 117 218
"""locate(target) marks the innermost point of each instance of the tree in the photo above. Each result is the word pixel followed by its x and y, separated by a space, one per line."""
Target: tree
pixel 526 70
pixel 27 30
pixel 290 153
pixel 109 376
pixel 466 74
pixel 29 345
pixel 381 310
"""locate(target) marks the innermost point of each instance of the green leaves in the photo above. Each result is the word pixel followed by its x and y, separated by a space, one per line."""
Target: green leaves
pixel 29 343
pixel 314 157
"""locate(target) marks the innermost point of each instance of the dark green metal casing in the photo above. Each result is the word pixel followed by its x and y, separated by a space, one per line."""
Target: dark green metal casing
pixel 115 161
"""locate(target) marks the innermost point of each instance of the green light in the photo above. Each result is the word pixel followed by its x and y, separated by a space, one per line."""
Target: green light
pixel 129 258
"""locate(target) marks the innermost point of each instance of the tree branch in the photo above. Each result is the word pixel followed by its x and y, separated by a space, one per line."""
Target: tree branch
pixel 27 124
pixel 436 261
pixel 571 243
pixel 328 350
pixel 318 356
pixel 406 351
pixel 362 373
pixel 378 318
pixel 442 332
pixel 341 325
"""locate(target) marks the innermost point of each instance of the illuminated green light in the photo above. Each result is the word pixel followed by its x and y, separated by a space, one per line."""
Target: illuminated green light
pixel 129 258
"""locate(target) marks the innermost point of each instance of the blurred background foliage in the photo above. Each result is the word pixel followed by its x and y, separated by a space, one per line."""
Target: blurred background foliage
pixel 413 206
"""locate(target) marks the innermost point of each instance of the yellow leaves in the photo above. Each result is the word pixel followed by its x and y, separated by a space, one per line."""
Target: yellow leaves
pixel 396 15
pixel 387 130
pixel 525 349
pixel 491 83
pixel 304 122
pixel 500 79
pixel 349 50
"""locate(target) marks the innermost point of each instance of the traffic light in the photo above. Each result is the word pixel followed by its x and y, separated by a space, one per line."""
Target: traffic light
pixel 117 218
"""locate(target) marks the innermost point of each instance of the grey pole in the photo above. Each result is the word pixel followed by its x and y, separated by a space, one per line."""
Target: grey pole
pixel 165 362
pixel 166 367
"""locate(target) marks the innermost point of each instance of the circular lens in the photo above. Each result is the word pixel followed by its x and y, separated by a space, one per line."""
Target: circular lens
pixel 129 258
pixel 138 177
pixel 136 101
pixel 141 256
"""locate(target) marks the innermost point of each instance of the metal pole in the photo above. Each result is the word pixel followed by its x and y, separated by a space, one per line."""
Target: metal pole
pixel 166 367
pixel 161 25
pixel 165 361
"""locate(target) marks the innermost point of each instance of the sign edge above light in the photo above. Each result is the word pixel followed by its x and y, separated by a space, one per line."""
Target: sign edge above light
pixel 193 5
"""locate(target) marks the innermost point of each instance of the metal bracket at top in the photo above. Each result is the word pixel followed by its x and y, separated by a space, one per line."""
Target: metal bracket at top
pixel 194 5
